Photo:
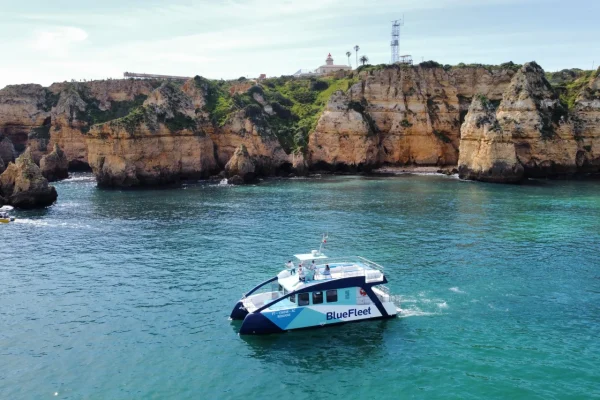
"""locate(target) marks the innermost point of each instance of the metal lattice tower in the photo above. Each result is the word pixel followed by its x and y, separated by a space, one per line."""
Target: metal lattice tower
pixel 396 39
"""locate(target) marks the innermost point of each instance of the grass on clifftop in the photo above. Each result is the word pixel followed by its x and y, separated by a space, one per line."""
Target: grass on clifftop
pixel 296 105
pixel 568 83
pixel 446 67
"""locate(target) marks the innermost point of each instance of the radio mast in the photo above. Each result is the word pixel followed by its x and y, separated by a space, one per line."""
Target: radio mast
pixel 396 39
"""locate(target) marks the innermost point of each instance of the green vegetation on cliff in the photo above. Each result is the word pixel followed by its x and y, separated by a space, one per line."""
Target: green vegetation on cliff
pixel 286 107
pixel 568 83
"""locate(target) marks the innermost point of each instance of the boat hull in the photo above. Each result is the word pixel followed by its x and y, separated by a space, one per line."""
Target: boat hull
pixel 311 317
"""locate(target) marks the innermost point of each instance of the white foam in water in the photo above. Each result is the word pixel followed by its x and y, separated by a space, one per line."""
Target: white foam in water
pixel 456 290
pixel 405 313
pixel 51 223
pixel 224 182
pixel 81 179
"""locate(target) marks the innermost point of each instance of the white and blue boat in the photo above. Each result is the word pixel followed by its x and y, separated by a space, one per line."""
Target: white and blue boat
pixel 351 289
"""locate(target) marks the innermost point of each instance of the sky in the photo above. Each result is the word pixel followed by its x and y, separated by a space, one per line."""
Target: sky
pixel 45 41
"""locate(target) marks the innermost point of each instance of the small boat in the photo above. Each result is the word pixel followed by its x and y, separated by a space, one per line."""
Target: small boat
pixel 332 291
pixel 4 217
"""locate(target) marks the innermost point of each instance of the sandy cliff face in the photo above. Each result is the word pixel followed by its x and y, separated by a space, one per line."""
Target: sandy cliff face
pixel 158 143
pixel 530 110
pixel 586 126
pixel 487 151
pixel 22 184
pixel 413 113
pixel 23 109
pixel 548 140
pixel 262 146
pixel 343 138
pixel 38 118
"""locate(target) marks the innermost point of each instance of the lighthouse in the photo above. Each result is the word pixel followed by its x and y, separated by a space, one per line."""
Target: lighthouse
pixel 331 67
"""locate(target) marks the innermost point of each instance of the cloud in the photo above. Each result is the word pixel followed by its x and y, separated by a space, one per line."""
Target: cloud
pixel 58 41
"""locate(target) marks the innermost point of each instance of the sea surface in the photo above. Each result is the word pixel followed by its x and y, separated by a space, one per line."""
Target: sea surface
pixel 126 294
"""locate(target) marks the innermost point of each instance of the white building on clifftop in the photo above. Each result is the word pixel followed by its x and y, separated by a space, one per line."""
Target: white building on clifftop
pixel 329 67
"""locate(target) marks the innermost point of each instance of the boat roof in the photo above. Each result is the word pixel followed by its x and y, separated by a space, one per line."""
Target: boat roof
pixel 340 268
pixel 310 256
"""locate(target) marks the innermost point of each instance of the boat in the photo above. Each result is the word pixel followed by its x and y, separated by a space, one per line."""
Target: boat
pixel 334 291
pixel 4 217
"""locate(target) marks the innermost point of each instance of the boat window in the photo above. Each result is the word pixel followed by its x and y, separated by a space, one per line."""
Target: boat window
pixel 303 299
pixel 347 292
pixel 285 292
pixel 293 298
pixel 280 288
pixel 317 297
pixel 331 296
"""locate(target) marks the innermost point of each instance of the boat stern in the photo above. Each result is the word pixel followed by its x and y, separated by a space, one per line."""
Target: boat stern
pixel 258 324
pixel 239 312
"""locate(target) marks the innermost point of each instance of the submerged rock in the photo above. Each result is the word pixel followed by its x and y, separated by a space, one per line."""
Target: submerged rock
pixel 241 165
pixel 55 166
pixel 22 184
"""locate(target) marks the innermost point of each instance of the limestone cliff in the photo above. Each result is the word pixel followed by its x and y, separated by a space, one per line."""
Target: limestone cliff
pixel 343 137
pixel 487 152
pixel 413 114
pixel 158 143
pixel 241 165
pixel 55 166
pixel 22 184
pixel 531 111
pixel 586 126
pixel 38 118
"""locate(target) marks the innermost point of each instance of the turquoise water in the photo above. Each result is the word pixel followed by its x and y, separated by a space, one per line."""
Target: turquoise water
pixel 126 294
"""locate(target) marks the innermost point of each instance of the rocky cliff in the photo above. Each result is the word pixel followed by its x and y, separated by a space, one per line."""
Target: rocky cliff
pixel 487 151
pixel 586 125
pixel 138 132
pixel 549 140
pixel 22 184
pixel 401 116
pixel 38 118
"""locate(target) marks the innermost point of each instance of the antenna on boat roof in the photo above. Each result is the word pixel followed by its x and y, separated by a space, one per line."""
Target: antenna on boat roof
pixel 323 242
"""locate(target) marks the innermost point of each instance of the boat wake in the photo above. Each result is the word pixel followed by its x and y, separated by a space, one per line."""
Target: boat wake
pixel 421 306
pixel 50 224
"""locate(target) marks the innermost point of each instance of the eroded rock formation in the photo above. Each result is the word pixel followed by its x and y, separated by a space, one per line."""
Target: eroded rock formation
pixel 241 165
pixel 586 126
pixel 401 116
pixel 487 152
pixel 134 132
pixel 22 184
pixel 55 166
pixel 531 111
pixel 158 143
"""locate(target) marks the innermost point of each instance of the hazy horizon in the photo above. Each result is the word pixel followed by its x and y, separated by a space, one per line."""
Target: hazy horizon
pixel 70 40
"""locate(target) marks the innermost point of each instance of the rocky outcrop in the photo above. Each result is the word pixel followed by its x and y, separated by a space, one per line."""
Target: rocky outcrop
pixel 241 165
pixel 586 126
pixel 22 184
pixel 2 165
pixel 532 113
pixel 487 152
pixel 55 166
pixel 158 143
pixel 23 108
pixel 408 116
pixel 38 118
pixel 262 145
pixel 343 138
